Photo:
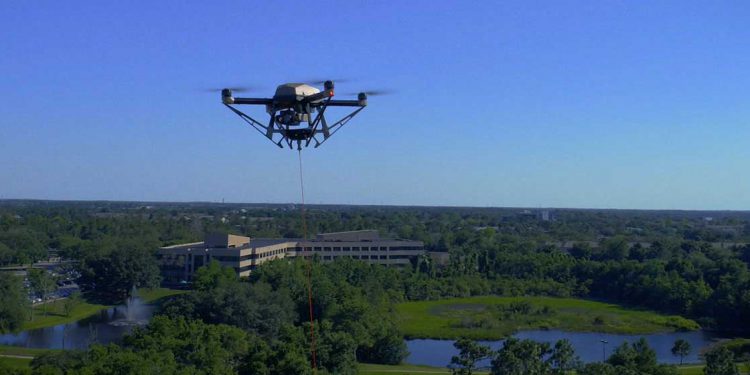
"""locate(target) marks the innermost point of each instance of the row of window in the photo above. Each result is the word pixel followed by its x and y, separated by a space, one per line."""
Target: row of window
pixel 365 257
pixel 180 260
pixel 363 248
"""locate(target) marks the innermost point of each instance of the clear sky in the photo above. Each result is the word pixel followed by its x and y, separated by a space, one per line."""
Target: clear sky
pixel 617 104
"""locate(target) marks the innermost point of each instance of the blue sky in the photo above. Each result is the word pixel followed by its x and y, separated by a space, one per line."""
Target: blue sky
pixel 616 104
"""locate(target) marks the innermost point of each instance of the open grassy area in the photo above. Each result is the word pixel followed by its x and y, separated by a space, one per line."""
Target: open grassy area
pixel 55 313
pixel 18 363
pixel 14 363
pixel 16 350
pixel 491 317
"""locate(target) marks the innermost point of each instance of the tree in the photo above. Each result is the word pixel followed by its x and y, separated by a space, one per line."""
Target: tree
pixel 71 302
pixel 13 303
pixel 720 361
pixel 112 275
pixel 681 348
pixel 212 276
pixel 42 283
pixel 638 357
pixel 521 357
pixel 563 357
pixel 469 353
pixel 6 254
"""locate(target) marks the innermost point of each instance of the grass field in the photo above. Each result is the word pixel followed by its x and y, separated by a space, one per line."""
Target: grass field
pixel 17 363
pixel 83 309
pixel 14 363
pixel 491 318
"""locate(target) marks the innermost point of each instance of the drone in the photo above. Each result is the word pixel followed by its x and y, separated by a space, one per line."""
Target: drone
pixel 297 113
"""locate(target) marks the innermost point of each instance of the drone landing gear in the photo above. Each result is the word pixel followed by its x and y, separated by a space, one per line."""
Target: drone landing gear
pixel 316 128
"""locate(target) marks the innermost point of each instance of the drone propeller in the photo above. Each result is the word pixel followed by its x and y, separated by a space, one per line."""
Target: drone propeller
pixel 322 81
pixel 373 92
pixel 234 89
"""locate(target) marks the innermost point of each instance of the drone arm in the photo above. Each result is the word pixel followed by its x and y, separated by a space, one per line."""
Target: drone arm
pixel 346 103
pixel 326 94
pixel 261 101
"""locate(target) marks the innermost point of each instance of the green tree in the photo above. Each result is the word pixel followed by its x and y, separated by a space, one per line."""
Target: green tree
pixel 6 254
pixel 720 361
pixel 71 302
pixel 212 276
pixel 681 348
pixel 564 357
pixel 42 283
pixel 521 357
pixel 112 275
pixel 637 357
pixel 13 303
pixel 469 353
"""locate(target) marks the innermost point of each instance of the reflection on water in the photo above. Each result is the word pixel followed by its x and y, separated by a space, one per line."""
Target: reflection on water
pixel 588 345
pixel 104 327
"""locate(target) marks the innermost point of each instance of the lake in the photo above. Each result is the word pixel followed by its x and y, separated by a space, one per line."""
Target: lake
pixel 588 345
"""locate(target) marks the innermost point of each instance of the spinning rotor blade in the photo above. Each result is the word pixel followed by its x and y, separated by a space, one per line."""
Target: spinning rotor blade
pixel 322 81
pixel 234 89
pixel 373 92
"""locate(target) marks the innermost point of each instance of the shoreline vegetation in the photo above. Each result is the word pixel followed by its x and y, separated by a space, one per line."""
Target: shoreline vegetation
pixel 83 309
pixel 495 318
pixel 372 369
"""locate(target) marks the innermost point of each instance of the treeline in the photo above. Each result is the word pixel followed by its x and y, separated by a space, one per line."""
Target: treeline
pixel 259 326
pixel 352 309
pixel 658 260
pixel 527 357
pixel 689 278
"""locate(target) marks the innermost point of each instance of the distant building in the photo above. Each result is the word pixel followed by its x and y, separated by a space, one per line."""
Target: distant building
pixel 244 254
pixel 546 215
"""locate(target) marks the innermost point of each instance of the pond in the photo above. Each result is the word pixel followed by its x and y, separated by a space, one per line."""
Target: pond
pixel 104 327
pixel 588 345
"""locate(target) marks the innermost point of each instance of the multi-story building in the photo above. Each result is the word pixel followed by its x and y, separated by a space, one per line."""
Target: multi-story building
pixel 179 262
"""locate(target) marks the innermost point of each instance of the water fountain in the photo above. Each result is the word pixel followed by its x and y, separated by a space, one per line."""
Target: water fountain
pixel 134 312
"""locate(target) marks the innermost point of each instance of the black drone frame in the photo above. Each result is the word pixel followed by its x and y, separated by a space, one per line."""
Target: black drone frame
pixel 290 135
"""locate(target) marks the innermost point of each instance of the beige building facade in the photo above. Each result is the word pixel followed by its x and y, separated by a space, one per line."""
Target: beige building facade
pixel 178 263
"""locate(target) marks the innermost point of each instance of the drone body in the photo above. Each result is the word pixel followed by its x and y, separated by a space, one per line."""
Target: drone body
pixel 297 113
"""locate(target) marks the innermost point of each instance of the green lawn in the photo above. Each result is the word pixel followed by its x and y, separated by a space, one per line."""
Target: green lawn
pixel 491 317
pixel 18 363
pixel 84 309
pixel 14 363
pixel 17 350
